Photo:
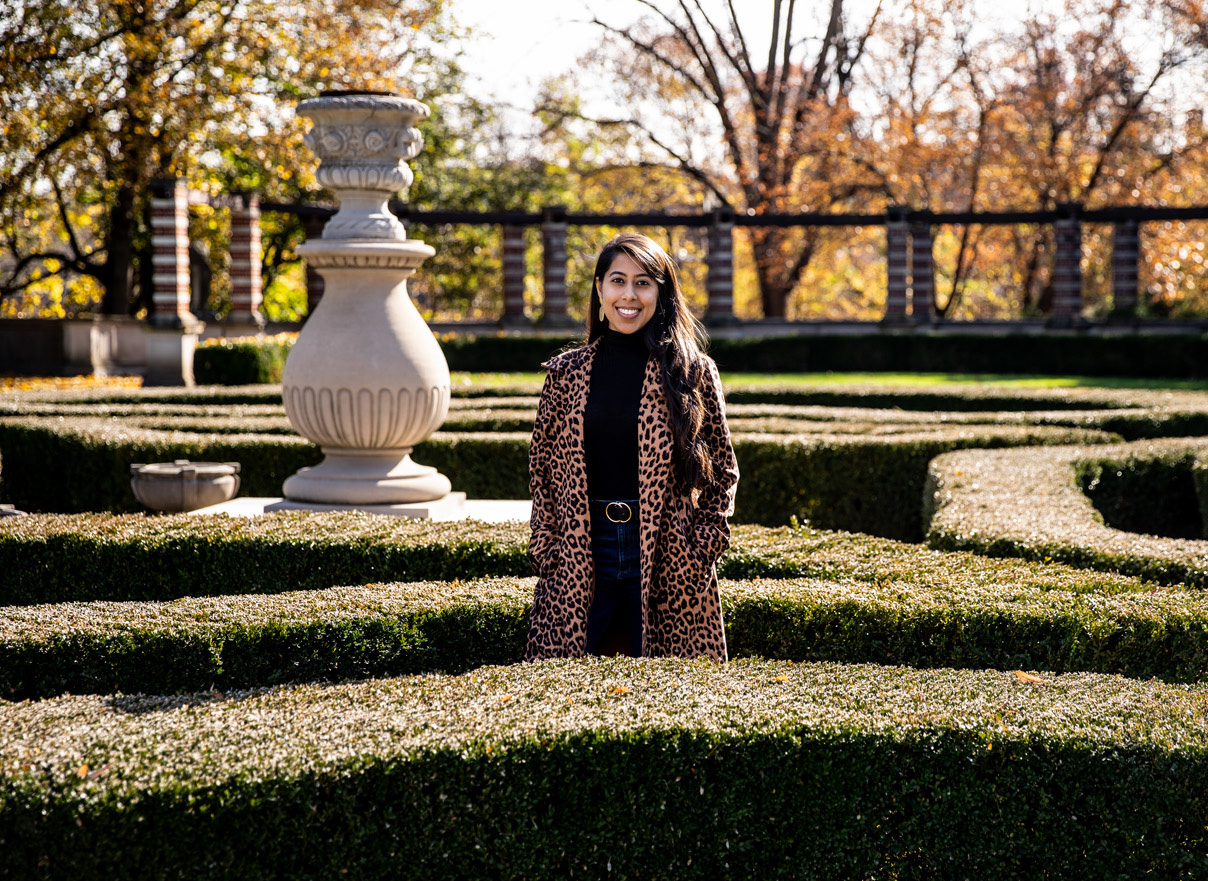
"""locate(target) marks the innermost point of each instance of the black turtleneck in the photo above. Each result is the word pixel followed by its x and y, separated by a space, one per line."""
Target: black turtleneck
pixel 610 422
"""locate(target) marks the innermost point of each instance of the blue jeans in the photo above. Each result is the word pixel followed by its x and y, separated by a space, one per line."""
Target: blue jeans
pixel 616 609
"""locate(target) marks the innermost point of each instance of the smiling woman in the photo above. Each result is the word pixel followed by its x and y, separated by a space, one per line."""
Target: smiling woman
pixel 632 475
pixel 628 295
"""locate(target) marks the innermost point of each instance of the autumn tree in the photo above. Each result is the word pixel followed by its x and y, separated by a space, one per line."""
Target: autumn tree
pixel 754 126
pixel 98 99
pixel 1082 101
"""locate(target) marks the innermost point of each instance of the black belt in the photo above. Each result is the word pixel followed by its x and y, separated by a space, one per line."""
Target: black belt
pixel 615 512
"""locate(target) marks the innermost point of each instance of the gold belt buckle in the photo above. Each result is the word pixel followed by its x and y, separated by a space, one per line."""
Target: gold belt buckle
pixel 611 519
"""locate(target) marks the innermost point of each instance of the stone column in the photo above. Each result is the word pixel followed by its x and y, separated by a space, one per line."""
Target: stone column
pixel 719 275
pixel 897 257
pixel 245 263
pixel 553 246
pixel 1126 262
pixel 513 278
pixel 170 251
pixel 366 380
pixel 922 273
pixel 172 330
pixel 1067 266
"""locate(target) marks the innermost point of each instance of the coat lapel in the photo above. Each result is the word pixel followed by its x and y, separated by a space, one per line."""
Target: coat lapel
pixel 582 576
pixel 654 475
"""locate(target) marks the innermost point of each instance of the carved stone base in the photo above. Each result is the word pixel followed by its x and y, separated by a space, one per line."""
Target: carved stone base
pixel 360 477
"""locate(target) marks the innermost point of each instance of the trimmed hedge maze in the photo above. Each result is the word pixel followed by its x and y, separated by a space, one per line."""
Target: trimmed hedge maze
pixel 852 459
pixel 1091 507
pixel 340 695
pixel 665 769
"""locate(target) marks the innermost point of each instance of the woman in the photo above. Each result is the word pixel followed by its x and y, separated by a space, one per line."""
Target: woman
pixel 632 475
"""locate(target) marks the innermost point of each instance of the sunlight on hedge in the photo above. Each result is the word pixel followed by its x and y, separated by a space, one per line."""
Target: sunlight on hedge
pixel 57 383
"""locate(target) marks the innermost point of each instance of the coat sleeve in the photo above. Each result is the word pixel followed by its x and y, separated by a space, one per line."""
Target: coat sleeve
pixel 716 501
pixel 543 542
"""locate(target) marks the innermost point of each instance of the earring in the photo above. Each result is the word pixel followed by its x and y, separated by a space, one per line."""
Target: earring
pixel 602 318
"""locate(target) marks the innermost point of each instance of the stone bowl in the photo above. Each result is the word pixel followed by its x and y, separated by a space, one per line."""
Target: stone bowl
pixel 180 486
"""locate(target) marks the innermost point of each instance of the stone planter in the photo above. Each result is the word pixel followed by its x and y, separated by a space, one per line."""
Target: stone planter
pixel 180 486
pixel 366 380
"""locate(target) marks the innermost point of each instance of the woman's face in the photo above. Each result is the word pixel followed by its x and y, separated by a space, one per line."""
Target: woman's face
pixel 629 296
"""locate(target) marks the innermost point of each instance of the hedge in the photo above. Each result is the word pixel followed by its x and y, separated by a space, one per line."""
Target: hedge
pixel 862 484
pixel 194 644
pixel 974 398
pixel 75 465
pixel 1055 353
pixel 864 395
pixel 1199 477
pixel 1183 353
pixel 75 558
pixel 390 629
pixel 241 361
pixel 176 395
pixel 517 414
pixel 1029 503
pixel 48 558
pixel 1156 496
pixel 665 769
pixel 850 482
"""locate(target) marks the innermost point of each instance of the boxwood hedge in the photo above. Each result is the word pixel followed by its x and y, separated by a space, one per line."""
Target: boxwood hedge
pixel 1031 503
pixel 1155 495
pixel 595 768
pixel 83 464
pixel 863 484
pixel 389 629
pixel 242 360
pixel 867 484
pixel 73 558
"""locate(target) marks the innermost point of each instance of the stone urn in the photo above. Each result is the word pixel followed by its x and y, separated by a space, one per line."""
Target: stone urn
pixel 366 379
pixel 180 486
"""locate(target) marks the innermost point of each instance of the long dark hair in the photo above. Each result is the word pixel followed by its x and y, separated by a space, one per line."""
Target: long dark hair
pixel 674 336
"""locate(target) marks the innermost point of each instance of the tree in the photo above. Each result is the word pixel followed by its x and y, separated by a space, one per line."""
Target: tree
pixel 99 99
pixel 1080 103
pixel 689 79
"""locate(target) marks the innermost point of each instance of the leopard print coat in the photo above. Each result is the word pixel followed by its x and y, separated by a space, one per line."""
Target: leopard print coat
pixel 682 532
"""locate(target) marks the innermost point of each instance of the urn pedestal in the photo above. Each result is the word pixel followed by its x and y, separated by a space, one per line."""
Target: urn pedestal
pixel 366 379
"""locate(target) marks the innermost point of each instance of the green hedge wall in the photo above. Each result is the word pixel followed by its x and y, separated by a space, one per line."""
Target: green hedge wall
pixel 1183 354
pixel 217 396
pixel 1061 354
pixel 390 629
pixel 594 768
pixel 861 484
pixel 1029 503
pixel 517 415
pixel 1154 496
pixel 50 559
pixel 88 557
pixel 241 362
pixel 1199 477
pixel 77 465
pixel 871 484
pixel 84 464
